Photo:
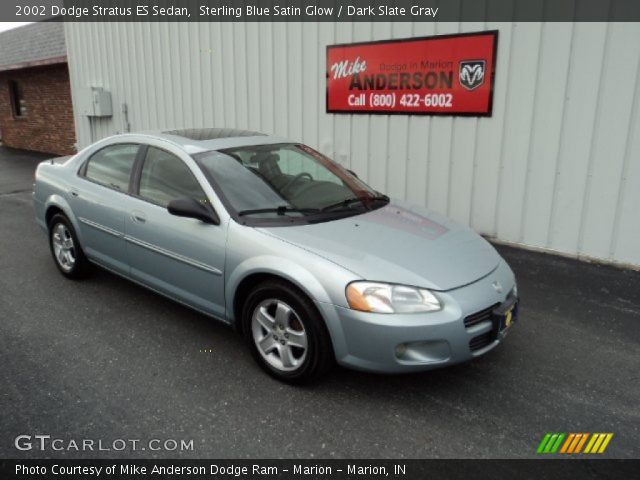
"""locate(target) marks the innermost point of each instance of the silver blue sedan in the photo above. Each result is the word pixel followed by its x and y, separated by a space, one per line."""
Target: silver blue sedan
pixel 297 253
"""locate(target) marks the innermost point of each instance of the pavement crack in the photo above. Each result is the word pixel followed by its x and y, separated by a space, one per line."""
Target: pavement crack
pixel 15 192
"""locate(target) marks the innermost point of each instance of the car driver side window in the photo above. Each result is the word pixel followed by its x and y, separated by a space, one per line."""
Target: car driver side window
pixel 292 162
pixel 165 177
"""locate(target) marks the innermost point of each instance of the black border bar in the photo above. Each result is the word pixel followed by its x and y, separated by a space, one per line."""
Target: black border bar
pixel 542 468
pixel 332 10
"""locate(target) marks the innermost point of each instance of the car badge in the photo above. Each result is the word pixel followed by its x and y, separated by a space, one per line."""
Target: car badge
pixel 496 285
pixel 471 74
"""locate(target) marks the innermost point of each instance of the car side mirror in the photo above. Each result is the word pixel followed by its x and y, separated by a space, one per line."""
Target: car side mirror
pixel 191 208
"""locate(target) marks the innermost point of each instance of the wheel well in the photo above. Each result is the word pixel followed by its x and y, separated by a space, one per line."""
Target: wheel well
pixel 51 211
pixel 244 289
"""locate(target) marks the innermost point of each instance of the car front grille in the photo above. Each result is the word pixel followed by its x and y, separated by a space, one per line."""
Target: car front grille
pixel 479 317
pixel 481 341
pixel 486 315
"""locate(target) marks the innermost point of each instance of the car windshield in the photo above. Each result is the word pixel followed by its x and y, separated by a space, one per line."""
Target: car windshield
pixel 286 181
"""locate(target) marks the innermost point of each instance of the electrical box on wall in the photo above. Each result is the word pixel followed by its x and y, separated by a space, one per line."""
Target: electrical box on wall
pixel 96 102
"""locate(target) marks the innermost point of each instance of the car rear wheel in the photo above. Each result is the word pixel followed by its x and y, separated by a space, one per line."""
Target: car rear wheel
pixel 65 248
pixel 286 334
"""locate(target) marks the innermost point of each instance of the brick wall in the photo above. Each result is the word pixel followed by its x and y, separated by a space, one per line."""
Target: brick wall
pixel 48 124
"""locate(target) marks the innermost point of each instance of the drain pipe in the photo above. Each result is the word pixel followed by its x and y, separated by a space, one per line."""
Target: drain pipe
pixel 126 127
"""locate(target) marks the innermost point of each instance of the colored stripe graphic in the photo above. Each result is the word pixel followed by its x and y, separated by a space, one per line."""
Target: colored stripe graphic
pixel 550 443
pixel 605 443
pixel 581 443
pixel 598 443
pixel 556 445
pixel 543 443
pixel 565 447
pixel 573 443
pixel 571 446
pixel 594 437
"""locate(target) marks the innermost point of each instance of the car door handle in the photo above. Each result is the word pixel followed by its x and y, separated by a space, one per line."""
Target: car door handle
pixel 74 192
pixel 138 217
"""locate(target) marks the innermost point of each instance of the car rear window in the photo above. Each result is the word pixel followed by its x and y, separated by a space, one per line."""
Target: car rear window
pixel 112 165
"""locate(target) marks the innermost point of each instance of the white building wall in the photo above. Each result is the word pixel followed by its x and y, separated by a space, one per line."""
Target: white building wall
pixel 557 166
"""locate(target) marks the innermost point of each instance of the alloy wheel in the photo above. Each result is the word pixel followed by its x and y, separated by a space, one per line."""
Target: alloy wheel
pixel 63 247
pixel 279 335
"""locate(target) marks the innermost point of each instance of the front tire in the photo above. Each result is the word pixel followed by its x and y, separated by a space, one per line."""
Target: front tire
pixel 65 248
pixel 286 334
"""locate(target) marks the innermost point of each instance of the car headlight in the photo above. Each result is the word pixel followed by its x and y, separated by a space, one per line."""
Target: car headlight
pixel 388 298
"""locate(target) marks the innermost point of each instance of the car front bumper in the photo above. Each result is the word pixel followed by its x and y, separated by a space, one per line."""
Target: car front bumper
pixel 395 343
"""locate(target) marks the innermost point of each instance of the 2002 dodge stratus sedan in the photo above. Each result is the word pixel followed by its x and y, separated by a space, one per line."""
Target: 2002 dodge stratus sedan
pixel 293 250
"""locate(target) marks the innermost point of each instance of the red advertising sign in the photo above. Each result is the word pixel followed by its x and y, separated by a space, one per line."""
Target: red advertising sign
pixel 441 75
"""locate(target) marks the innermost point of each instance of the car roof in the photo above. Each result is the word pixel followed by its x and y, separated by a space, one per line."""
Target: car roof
pixel 196 140
pixel 203 134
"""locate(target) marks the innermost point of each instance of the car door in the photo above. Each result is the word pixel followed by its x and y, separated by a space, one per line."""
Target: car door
pixel 97 201
pixel 178 256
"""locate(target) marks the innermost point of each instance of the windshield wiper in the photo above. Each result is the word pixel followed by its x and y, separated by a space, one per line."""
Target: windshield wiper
pixel 348 201
pixel 278 210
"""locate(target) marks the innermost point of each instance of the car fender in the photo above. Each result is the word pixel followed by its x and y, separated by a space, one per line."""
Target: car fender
pixel 277 266
pixel 293 272
pixel 57 200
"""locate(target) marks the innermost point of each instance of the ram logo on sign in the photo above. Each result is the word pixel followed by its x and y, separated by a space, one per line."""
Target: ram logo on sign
pixel 472 73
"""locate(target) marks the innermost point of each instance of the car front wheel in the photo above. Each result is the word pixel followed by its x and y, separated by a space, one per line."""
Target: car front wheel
pixel 286 334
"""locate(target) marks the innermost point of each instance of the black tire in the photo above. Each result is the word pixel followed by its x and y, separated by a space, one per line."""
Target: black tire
pixel 80 266
pixel 318 357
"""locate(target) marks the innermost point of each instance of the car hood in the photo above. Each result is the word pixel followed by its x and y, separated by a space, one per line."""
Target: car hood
pixel 398 244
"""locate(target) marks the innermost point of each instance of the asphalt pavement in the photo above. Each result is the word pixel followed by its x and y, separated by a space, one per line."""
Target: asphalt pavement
pixel 104 359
